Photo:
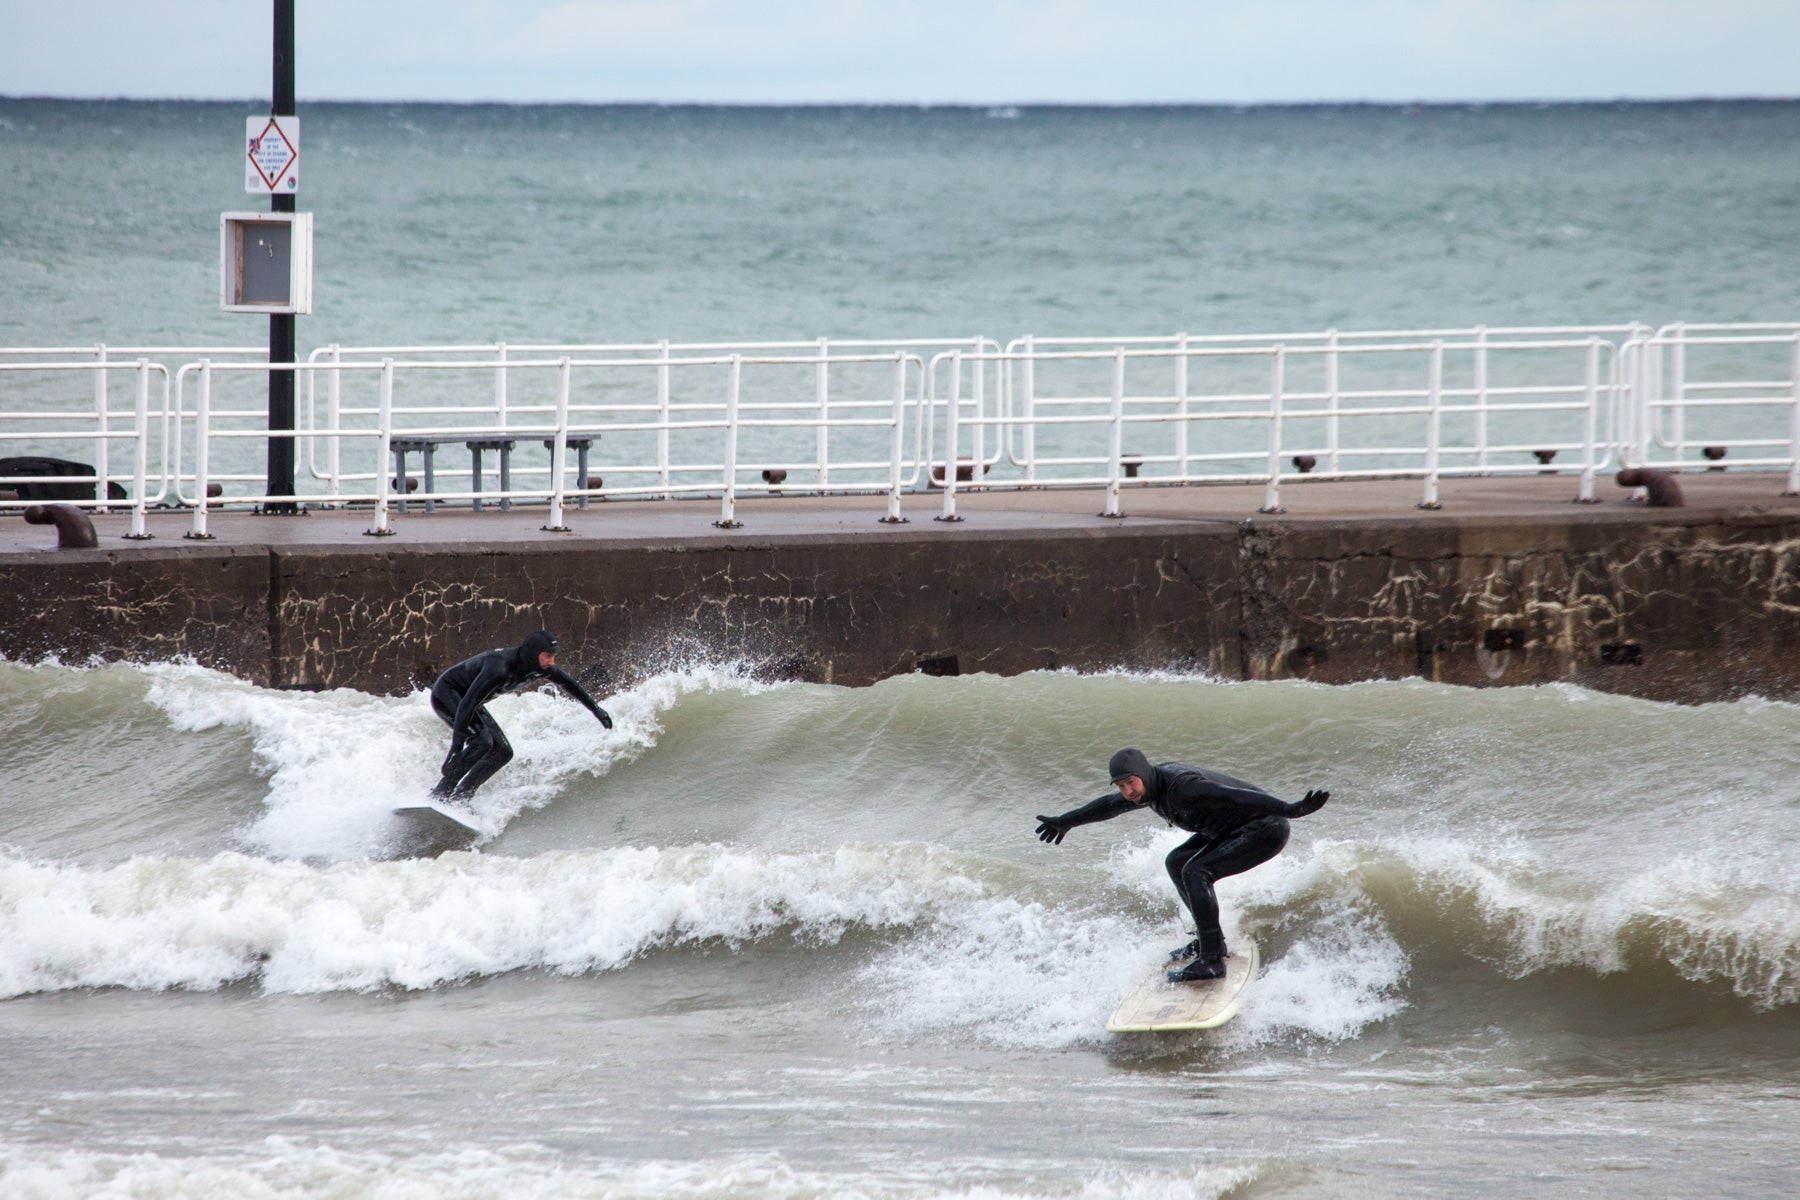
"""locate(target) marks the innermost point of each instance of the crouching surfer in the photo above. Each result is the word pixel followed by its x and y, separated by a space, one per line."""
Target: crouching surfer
pixel 1236 825
pixel 478 748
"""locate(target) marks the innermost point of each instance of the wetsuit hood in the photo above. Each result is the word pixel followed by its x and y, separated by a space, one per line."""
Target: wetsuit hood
pixel 535 644
pixel 1132 762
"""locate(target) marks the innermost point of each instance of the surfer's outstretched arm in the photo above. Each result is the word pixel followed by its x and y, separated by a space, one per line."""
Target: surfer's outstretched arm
pixel 567 683
pixel 1105 808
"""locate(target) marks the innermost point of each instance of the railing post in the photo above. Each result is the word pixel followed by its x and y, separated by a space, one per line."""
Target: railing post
pixel 1481 398
pixel 202 443
pixel 727 512
pixel 1115 437
pixel 101 491
pixel 822 395
pixel 1624 405
pixel 1181 404
pixel 559 451
pixel 334 423
pixel 1332 402
pixel 1590 426
pixel 1649 394
pixel 1277 390
pixel 141 455
pixel 896 441
pixel 950 438
pixel 1028 409
pixel 384 452
pixel 662 410
pixel 1677 391
pixel 979 379
pixel 1793 479
pixel 1434 427
pixel 500 385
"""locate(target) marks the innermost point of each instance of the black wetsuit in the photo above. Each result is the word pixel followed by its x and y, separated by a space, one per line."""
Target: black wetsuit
pixel 1236 825
pixel 477 746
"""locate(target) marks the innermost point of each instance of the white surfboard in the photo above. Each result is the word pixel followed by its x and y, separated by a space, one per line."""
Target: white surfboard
pixel 426 830
pixel 1163 1007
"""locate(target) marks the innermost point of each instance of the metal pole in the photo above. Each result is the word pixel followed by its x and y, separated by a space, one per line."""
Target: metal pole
pixel 1793 478
pixel 896 441
pixel 950 447
pixel 1590 424
pixel 662 417
pixel 1481 398
pixel 383 452
pixel 280 480
pixel 1028 410
pixel 1277 392
pixel 822 396
pixel 728 506
pixel 1332 403
pixel 1434 427
pixel 1181 405
pixel 334 419
pixel 141 453
pixel 1115 439
pixel 202 441
pixel 101 463
pixel 559 451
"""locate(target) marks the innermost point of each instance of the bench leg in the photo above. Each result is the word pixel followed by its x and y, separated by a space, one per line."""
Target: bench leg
pixel 400 479
pixel 430 480
pixel 475 454
pixel 505 479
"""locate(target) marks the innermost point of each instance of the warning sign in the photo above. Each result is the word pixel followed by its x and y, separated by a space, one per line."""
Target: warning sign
pixel 272 162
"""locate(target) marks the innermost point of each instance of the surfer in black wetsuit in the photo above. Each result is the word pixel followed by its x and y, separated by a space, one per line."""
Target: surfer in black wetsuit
pixel 1236 825
pixel 477 746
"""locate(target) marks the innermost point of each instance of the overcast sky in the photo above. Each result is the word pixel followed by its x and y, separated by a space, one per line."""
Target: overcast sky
pixel 931 51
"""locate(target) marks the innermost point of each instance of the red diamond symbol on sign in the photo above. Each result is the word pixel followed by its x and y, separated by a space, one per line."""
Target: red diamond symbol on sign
pixel 272 154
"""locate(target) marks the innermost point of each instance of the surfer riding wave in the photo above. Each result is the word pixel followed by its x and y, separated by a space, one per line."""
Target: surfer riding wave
pixel 1236 825
pixel 478 747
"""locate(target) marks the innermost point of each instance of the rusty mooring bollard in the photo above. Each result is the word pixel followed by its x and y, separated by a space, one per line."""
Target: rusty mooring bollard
pixel 1661 488
pixel 74 531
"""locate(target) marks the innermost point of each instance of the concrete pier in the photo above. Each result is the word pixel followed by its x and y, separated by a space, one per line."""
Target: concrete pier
pixel 1510 582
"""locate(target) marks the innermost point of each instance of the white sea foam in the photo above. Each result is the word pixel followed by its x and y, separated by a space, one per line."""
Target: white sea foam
pixel 339 762
pixel 282 1169
pixel 162 923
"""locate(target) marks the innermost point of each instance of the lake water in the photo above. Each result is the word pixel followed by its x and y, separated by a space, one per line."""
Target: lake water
pixel 798 941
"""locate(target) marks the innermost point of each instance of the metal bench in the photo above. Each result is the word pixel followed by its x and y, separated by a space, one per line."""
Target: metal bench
pixel 426 445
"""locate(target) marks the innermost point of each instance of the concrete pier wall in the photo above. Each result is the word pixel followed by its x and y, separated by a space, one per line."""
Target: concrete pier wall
pixel 1681 605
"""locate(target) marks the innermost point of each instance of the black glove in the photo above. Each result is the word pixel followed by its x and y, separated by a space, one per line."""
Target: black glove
pixel 605 717
pixel 1311 803
pixel 1051 829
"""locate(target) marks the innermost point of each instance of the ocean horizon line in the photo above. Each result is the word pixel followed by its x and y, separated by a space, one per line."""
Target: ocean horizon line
pixel 986 106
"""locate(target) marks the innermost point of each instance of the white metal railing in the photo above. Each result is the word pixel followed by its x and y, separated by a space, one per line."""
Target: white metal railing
pixel 1705 394
pixel 497 365
pixel 1331 408
pixel 36 427
pixel 722 420
pixel 714 420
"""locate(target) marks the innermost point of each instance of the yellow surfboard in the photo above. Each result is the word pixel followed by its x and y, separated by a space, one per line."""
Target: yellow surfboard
pixel 1163 1007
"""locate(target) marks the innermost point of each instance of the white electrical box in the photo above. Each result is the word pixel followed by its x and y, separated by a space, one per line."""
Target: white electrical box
pixel 265 262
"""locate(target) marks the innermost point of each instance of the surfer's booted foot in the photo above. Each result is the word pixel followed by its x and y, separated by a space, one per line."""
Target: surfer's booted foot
pixel 1198 971
pixel 1191 950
